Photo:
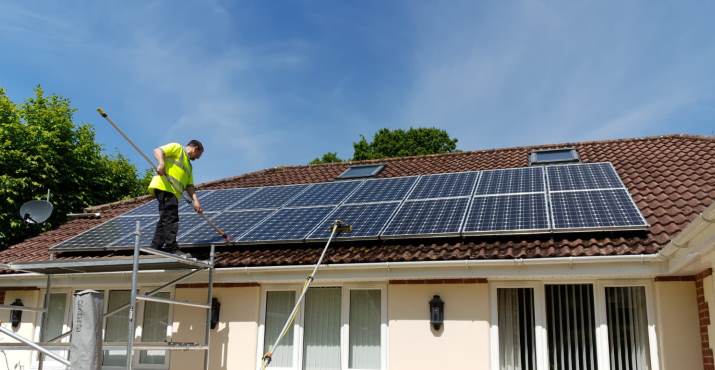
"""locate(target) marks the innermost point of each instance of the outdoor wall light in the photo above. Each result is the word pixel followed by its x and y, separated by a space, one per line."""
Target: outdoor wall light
pixel 16 315
pixel 436 312
pixel 215 312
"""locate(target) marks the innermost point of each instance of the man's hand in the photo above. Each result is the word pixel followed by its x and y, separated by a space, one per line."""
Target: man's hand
pixel 197 206
pixel 160 169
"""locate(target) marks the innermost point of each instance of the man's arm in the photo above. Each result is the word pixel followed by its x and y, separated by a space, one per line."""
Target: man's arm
pixel 194 198
pixel 159 155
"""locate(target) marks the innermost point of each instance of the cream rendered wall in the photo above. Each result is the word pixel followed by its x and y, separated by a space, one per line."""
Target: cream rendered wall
pixel 19 360
pixel 233 342
pixel 678 326
pixel 463 341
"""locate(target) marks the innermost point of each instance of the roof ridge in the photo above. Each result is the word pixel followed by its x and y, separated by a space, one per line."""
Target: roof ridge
pixel 394 159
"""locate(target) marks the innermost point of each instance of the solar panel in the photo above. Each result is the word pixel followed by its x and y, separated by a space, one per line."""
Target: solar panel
pixel 595 209
pixel 327 193
pixel 269 197
pixel 186 223
pixel 380 190
pixel 427 217
pixel 288 224
pixel 152 207
pixel 219 200
pixel 444 185
pixel 367 220
pixel 512 180
pixel 234 223
pixel 520 212
pixel 583 176
pixel 104 234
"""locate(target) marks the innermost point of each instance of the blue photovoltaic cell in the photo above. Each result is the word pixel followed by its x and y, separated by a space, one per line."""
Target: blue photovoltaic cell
pixel 366 220
pixel 218 200
pixel 507 213
pixel 289 224
pixel 594 209
pixel 186 223
pixel 380 190
pixel 324 194
pixel 513 180
pixel 152 208
pixel 444 185
pixel 234 223
pixel 104 234
pixel 583 176
pixel 439 216
pixel 269 197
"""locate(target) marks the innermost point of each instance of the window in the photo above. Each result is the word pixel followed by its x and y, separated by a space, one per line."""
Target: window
pixel 337 328
pixel 153 320
pixel 571 327
pixel 553 156
pixel 368 170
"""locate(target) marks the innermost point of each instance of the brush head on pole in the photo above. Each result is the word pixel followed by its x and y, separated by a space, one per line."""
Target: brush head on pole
pixel 342 227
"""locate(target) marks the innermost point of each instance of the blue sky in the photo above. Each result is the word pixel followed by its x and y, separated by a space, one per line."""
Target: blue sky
pixel 268 83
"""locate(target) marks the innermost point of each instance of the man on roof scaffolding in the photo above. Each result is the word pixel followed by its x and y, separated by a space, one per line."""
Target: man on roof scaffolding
pixel 174 177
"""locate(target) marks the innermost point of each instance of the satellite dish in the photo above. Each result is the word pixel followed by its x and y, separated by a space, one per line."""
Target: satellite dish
pixel 36 211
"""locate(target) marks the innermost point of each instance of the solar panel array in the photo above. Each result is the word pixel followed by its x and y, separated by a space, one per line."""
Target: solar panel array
pixel 538 199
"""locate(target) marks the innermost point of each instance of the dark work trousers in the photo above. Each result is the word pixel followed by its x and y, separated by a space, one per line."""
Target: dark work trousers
pixel 168 225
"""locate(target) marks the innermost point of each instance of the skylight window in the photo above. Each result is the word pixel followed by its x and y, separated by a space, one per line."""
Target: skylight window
pixel 553 156
pixel 368 170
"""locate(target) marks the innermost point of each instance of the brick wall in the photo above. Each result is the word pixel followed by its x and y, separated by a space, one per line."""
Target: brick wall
pixel 704 315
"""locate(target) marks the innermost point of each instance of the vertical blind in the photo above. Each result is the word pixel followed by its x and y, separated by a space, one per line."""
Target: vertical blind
pixel 156 320
pixel 116 328
pixel 321 336
pixel 516 329
pixel 570 327
pixel 278 307
pixel 364 328
pixel 627 328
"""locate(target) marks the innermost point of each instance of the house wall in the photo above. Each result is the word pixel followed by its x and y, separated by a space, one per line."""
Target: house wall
pixel 463 341
pixel 678 325
pixel 19 359
pixel 233 342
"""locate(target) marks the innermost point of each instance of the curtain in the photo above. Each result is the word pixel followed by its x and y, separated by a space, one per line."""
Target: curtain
pixel 278 307
pixel 154 325
pixel 364 327
pixel 627 328
pixel 321 337
pixel 116 328
pixel 571 323
pixel 516 328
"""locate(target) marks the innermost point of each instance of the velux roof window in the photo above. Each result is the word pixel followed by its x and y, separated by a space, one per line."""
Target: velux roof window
pixel 368 170
pixel 553 156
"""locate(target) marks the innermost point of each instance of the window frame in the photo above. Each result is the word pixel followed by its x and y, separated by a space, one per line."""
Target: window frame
pixel 600 318
pixel 50 364
pixel 535 161
pixel 298 324
pixel 345 174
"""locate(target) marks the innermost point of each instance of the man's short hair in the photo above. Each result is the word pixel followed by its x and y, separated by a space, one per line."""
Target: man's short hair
pixel 196 144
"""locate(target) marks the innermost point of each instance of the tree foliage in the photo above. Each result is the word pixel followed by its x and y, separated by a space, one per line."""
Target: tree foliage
pixel 388 143
pixel 329 157
pixel 42 149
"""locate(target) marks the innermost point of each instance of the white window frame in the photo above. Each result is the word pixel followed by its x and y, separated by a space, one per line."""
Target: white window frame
pixel 51 364
pixel 298 325
pixel 600 319
pixel 48 363
pixel 138 325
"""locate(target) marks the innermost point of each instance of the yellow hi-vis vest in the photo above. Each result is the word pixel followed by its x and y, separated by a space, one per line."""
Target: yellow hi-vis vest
pixel 178 171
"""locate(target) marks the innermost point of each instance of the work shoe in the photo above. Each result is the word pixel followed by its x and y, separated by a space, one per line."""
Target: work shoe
pixel 174 249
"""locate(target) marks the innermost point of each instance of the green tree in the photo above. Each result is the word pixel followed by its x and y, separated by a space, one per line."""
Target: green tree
pixel 388 143
pixel 42 149
pixel 329 157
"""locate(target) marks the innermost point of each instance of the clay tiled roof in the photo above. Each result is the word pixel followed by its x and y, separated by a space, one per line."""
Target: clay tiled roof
pixel 671 178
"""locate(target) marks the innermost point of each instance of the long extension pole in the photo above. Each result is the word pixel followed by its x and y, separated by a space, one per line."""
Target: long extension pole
pixel 338 226
pixel 104 115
